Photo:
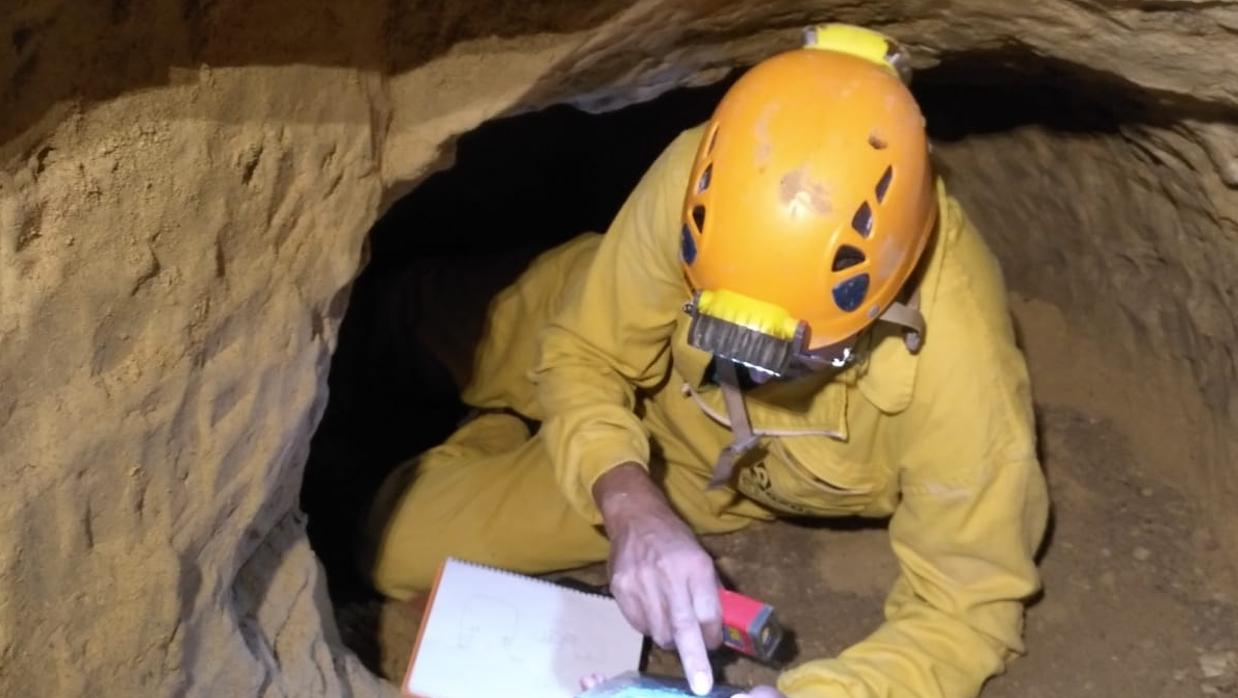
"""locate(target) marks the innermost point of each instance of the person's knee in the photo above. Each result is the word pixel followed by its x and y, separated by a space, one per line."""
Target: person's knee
pixel 401 578
pixel 393 564
pixel 380 557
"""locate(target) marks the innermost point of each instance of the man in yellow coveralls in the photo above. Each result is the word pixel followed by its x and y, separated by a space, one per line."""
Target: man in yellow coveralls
pixel 814 329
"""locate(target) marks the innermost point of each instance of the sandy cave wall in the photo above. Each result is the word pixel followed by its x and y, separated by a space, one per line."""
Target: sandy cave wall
pixel 1127 235
pixel 185 191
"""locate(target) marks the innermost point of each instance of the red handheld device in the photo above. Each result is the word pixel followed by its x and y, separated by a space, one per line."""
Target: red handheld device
pixel 749 625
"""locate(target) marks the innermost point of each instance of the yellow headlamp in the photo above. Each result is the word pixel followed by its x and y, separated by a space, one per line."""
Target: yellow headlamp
pixel 745 330
pixel 864 43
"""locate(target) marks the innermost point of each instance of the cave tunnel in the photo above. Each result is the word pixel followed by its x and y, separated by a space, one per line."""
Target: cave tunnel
pixel 1041 152
pixel 222 224
pixel 519 186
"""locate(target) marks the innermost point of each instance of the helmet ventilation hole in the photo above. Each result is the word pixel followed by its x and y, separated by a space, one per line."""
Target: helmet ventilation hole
pixel 862 221
pixel 883 184
pixel 698 217
pixel 703 183
pixel 850 294
pixel 713 140
pixel 876 141
pixel 847 257
pixel 687 246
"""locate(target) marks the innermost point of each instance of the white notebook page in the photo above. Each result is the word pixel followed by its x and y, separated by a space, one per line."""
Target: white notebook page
pixel 494 634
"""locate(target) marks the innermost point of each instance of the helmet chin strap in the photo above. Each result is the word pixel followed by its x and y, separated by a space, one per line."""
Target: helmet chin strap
pixel 741 428
pixel 906 315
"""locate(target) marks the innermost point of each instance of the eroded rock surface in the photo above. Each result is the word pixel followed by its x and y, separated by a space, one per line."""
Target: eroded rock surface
pixel 185 188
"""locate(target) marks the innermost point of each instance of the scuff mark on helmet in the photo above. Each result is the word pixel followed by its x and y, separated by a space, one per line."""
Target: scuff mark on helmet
pixel 764 151
pixel 765 144
pixel 800 192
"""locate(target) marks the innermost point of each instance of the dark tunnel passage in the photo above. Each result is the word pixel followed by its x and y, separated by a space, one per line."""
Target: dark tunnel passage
pixel 522 184
pixel 519 186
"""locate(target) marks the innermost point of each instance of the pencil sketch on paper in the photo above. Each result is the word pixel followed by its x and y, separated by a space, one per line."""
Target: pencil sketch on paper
pixel 488 623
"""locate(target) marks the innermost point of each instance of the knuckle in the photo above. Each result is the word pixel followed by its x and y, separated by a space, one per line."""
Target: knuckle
pixel 702 560
pixel 683 561
pixel 690 559
pixel 622 581
pixel 667 566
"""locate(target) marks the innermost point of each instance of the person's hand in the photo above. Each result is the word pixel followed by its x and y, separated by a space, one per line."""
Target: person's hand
pixel 663 580
pixel 760 692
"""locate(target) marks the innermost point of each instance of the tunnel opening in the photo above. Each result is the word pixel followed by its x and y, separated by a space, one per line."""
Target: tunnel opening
pixel 518 186
pixel 1063 169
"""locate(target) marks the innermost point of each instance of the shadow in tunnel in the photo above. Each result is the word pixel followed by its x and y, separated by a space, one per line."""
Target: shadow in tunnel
pixel 978 92
pixel 519 186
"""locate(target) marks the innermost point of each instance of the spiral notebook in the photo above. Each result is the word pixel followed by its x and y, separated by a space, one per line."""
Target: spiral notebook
pixel 495 634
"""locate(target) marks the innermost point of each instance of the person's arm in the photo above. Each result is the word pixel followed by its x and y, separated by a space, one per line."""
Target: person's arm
pixel 612 335
pixel 612 338
pixel 973 509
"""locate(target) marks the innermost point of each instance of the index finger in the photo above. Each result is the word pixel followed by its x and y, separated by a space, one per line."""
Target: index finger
pixel 708 607
pixel 689 642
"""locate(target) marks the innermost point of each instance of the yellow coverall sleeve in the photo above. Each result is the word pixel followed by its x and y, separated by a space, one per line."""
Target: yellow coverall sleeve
pixel 972 512
pixel 613 334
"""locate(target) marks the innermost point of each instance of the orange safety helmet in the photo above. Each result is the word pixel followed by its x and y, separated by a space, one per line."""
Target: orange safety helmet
pixel 811 198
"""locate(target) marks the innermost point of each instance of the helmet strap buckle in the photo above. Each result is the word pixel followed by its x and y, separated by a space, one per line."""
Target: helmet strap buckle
pixel 908 316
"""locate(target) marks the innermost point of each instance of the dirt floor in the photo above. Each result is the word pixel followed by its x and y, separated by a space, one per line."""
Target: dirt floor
pixel 1138 601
